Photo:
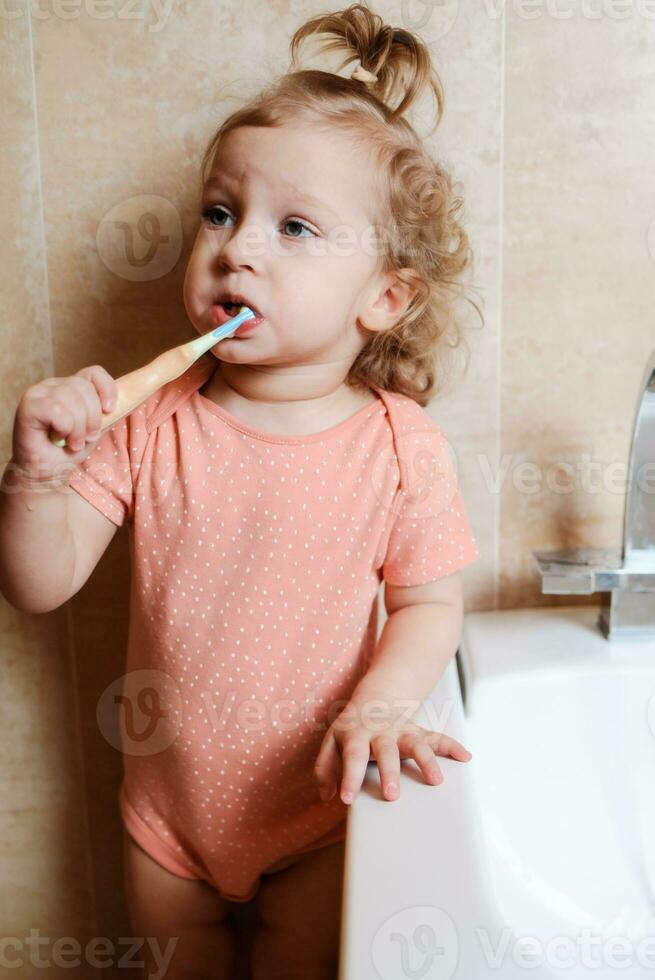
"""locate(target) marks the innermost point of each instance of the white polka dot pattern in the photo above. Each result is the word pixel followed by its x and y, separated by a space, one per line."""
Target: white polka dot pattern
pixel 256 564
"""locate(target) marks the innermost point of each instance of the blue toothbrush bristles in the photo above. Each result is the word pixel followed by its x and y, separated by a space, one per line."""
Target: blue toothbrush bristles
pixel 226 329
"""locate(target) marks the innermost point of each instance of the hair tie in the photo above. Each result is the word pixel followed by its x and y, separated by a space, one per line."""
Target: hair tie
pixel 362 75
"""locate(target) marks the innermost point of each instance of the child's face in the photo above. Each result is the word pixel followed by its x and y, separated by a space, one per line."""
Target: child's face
pixel 310 269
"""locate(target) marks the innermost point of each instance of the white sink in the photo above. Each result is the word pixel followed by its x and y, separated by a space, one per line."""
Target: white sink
pixel 537 857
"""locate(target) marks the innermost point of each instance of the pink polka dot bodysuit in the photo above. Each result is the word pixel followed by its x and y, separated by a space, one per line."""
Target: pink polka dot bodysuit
pixel 256 564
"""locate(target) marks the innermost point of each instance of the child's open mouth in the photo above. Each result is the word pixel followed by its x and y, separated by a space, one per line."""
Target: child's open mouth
pixel 222 312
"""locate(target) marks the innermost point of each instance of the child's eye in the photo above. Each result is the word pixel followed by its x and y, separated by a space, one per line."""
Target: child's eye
pixel 299 224
pixel 210 212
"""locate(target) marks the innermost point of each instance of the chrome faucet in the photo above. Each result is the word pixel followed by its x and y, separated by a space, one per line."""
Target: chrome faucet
pixel 625 575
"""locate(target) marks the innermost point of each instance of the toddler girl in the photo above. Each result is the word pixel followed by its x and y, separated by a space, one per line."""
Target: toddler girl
pixel 268 492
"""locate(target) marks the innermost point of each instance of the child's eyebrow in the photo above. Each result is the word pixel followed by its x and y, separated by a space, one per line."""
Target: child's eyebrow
pixel 217 179
pixel 310 199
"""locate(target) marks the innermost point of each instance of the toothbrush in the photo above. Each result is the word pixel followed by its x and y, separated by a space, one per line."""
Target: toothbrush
pixel 135 387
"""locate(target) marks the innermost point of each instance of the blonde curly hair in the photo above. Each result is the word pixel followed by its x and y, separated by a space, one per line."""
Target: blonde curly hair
pixel 422 236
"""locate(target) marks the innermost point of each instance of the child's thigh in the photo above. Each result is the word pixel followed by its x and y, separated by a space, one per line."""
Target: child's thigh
pixel 300 917
pixel 180 922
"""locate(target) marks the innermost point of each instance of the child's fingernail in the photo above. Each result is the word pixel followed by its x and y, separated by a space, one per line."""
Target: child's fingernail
pixel 347 797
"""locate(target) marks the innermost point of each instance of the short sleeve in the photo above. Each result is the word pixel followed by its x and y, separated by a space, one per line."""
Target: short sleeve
pixel 107 477
pixel 431 535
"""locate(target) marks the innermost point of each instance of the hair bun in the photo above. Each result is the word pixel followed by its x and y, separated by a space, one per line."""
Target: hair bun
pixel 398 61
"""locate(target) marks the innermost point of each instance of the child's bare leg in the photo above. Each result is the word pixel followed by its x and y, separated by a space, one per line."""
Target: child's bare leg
pixel 163 907
pixel 300 918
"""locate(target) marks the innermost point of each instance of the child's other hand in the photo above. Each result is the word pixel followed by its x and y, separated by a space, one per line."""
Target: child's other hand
pixel 350 744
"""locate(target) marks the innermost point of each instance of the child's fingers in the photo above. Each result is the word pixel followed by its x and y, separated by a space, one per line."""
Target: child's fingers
pixel 388 760
pixel 443 744
pixel 355 756
pixel 105 385
pixel 327 768
pixel 424 756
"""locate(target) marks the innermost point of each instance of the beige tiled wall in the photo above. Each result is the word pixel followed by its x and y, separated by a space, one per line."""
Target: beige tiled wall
pixel 46 862
pixel 578 282
pixel 549 127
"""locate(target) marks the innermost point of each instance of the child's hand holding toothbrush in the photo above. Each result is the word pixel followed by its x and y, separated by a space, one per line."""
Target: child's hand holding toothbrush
pixel 73 407
pixel 76 410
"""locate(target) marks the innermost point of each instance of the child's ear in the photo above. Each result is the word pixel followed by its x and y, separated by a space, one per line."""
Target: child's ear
pixel 388 301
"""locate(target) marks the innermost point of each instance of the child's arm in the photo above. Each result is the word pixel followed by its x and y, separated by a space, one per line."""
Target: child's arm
pixel 419 639
pixel 50 538
pixel 50 542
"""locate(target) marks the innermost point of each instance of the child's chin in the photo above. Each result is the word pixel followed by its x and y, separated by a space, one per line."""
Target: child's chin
pixel 230 352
